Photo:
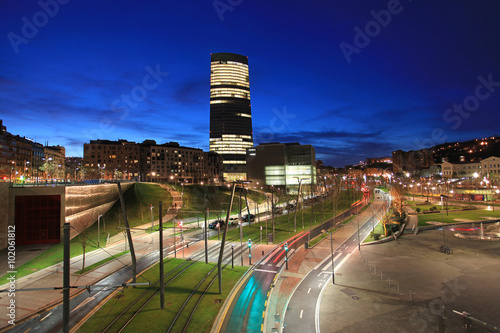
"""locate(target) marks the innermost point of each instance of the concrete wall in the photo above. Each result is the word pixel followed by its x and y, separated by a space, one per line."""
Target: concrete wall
pixel 80 205
pixel 85 203
pixel 4 213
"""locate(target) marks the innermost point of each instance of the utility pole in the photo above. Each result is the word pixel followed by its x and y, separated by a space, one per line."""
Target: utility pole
pixel 205 232
pixel 297 206
pixel 221 253
pixel 66 271
pixel 272 211
pixel 241 228
pixel 162 283
pixel 248 209
pixel 129 235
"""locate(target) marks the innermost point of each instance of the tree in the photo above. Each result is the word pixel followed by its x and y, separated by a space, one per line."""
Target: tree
pixel 50 168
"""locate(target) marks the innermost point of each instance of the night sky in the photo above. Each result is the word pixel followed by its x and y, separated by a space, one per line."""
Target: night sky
pixel 325 73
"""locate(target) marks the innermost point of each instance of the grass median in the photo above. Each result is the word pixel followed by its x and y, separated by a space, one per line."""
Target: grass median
pixel 152 318
pixel 309 217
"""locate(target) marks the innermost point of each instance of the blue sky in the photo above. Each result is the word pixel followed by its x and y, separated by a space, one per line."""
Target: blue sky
pixel 65 80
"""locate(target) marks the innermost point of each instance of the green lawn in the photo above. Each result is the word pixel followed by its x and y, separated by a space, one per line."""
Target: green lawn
pixel 454 217
pixel 138 198
pixel 218 198
pixel 379 229
pixel 152 318
pixel 283 224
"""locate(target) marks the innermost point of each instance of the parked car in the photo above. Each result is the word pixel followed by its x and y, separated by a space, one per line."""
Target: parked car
pixel 234 221
pixel 216 224
pixel 244 218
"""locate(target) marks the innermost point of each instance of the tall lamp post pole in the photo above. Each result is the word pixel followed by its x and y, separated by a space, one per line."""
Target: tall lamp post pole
pixel 98 229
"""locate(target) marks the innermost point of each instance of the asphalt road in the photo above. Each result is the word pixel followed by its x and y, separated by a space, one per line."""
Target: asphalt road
pixel 302 314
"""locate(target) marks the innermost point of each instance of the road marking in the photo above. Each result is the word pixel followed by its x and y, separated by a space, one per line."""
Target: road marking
pixel 309 290
pixel 87 300
pixel 320 285
pixel 45 317
pixel 264 270
pixel 301 312
pixel 330 263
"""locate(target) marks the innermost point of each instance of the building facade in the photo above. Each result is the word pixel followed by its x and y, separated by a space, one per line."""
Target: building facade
pixel 490 169
pixel 105 159
pixel 149 161
pixel 230 112
pixel 281 164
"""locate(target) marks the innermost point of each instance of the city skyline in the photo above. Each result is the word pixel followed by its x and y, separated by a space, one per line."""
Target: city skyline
pixel 355 80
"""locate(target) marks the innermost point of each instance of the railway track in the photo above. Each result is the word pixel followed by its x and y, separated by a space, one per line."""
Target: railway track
pixel 125 317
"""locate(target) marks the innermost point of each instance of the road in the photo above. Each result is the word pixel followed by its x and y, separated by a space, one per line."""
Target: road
pixel 302 314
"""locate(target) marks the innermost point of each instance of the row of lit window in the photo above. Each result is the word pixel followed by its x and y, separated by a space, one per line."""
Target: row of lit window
pixel 229 92
pixel 234 162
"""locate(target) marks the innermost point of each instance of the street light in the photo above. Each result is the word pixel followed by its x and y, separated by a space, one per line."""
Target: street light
pixel 98 229
pixel 286 255
pixel 331 246
pixel 152 217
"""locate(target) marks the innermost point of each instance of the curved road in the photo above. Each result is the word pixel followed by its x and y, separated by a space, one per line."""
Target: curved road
pixel 302 314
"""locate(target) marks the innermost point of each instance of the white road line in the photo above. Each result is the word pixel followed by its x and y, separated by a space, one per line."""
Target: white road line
pixel 330 263
pixel 309 290
pixel 342 262
pixel 45 317
pixel 264 270
pixel 301 312
pixel 88 299
pixel 320 285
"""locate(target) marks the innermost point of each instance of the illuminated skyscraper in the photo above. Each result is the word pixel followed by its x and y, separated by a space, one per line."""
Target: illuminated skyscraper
pixel 230 113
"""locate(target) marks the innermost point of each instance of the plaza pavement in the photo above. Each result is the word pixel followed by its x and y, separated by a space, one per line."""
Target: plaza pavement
pixel 362 300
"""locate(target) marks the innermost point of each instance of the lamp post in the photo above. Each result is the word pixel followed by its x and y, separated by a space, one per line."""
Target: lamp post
pixel 442 216
pixel 232 256
pixel 286 255
pixel 152 217
pixel 98 229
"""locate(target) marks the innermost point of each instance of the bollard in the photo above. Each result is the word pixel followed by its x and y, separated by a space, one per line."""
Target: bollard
pixel 375 267
pixel 380 275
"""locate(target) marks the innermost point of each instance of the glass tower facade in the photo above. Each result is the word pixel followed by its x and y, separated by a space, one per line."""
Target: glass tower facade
pixel 230 112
